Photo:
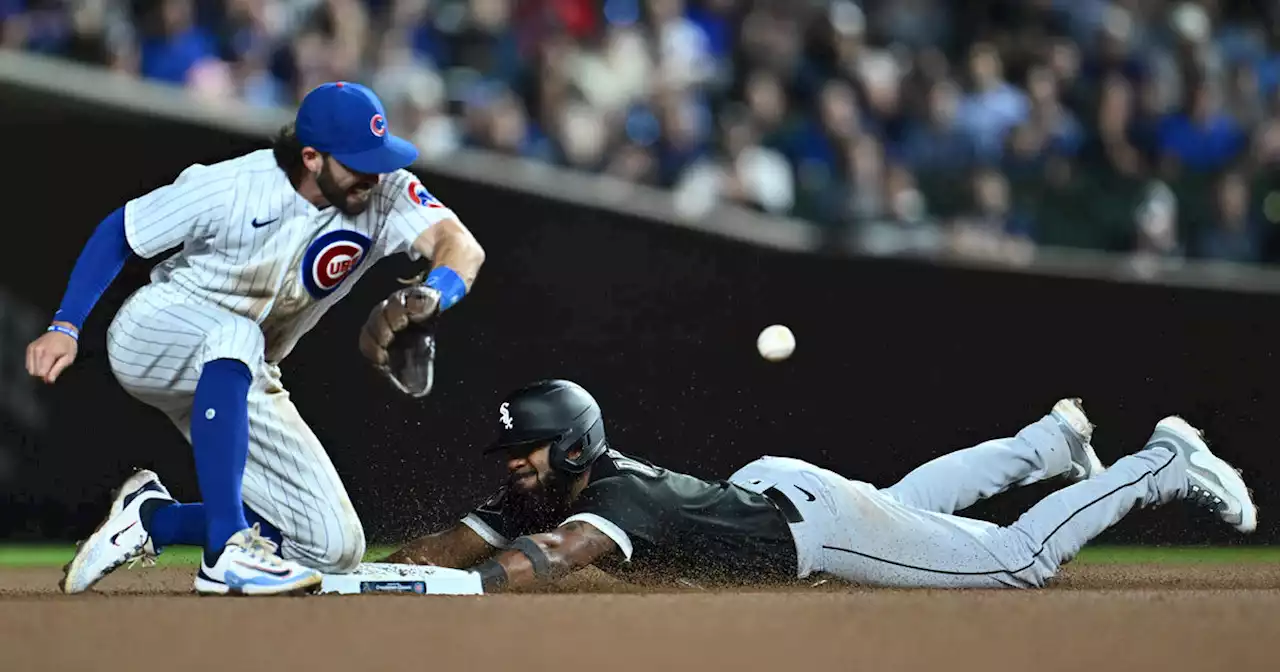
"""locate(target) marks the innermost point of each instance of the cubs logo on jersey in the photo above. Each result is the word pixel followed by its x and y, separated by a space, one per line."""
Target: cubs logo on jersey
pixel 419 195
pixel 330 258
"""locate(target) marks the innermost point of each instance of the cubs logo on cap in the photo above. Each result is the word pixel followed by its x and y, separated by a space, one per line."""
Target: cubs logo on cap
pixel 419 195
pixel 330 259
pixel 348 121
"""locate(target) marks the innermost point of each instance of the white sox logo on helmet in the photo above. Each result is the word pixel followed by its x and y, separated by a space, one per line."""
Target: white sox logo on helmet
pixel 330 259
pixel 506 415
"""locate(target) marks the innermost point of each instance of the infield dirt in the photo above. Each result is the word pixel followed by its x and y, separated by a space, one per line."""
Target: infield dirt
pixel 1200 617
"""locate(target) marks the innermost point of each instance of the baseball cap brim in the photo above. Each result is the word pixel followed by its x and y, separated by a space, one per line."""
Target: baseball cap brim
pixel 394 154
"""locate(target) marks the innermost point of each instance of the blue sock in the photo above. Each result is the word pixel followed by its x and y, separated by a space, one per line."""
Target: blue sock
pixel 171 523
pixel 220 439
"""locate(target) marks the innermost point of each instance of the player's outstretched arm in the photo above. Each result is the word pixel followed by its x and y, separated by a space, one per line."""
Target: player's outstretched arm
pixel 450 245
pixel 145 226
pixel 458 547
pixel 97 267
pixel 540 558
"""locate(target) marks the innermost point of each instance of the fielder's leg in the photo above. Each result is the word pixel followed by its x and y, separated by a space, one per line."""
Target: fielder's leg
pixel 177 355
pixel 291 481
pixel 174 524
pixel 290 484
pixel 1056 445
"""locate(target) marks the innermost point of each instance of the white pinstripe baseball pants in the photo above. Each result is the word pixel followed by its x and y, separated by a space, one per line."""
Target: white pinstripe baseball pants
pixel 158 344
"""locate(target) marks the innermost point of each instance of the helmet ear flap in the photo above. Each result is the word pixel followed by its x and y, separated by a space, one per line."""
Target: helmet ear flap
pixel 591 446
pixel 560 460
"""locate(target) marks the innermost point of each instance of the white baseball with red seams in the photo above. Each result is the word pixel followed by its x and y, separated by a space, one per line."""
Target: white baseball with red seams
pixel 776 343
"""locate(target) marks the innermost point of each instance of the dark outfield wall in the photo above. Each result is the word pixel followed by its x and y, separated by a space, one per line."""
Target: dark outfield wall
pixel 896 362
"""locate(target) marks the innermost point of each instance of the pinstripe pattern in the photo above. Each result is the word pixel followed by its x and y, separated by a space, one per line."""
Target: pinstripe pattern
pixel 242 291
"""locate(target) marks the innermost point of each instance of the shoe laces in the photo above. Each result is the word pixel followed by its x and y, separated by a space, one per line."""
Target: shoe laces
pixel 1204 497
pixel 142 558
pixel 261 548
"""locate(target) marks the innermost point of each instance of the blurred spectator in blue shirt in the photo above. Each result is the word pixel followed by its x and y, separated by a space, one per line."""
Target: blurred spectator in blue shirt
pixel 1113 48
pixel 993 105
pixel 685 125
pixel 1235 233
pixel 992 229
pixel 486 44
pixel 1202 137
pixel 1062 130
pixel 715 19
pixel 173 43
pixel 771 113
pixel 937 143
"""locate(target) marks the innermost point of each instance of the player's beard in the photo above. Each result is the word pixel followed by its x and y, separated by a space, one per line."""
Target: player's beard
pixel 551 491
pixel 336 195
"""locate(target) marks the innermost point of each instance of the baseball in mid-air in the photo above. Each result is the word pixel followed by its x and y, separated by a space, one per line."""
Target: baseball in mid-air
pixel 776 343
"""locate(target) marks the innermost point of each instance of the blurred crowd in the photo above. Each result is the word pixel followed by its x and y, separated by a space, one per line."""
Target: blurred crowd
pixel 992 127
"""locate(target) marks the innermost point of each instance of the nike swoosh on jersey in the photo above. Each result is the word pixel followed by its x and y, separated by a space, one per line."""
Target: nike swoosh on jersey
pixel 258 225
pixel 806 492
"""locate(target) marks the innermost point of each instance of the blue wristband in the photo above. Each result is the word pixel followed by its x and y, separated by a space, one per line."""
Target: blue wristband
pixel 64 330
pixel 450 285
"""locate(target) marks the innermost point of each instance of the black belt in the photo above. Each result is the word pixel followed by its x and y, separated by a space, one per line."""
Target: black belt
pixel 784 504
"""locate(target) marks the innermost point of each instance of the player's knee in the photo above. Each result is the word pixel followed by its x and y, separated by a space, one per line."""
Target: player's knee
pixel 240 340
pixel 343 552
pixel 351 553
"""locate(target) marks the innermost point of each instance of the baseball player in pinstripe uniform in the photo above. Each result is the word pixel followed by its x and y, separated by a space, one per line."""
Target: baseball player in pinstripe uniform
pixel 269 242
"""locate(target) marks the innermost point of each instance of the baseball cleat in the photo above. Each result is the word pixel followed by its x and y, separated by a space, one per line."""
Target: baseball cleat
pixel 1079 432
pixel 249 566
pixel 120 538
pixel 1214 483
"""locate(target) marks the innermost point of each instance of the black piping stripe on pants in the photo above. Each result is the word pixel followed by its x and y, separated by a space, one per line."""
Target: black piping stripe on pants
pixel 1033 557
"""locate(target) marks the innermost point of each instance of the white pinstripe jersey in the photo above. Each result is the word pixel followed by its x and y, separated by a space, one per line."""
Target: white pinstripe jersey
pixel 252 245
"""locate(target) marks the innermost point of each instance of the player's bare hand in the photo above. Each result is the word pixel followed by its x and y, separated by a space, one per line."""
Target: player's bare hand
pixel 405 306
pixel 50 355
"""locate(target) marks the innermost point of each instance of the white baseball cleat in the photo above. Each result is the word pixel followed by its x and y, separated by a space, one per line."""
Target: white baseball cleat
pixel 1079 432
pixel 1215 484
pixel 249 566
pixel 120 538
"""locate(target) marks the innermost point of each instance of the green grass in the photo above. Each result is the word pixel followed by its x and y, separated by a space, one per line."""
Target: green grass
pixel 1177 555
pixel 56 556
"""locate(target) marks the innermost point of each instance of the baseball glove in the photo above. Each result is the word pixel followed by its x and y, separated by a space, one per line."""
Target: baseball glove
pixel 399 338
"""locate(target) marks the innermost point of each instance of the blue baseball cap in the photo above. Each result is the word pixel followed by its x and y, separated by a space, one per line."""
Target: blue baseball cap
pixel 348 121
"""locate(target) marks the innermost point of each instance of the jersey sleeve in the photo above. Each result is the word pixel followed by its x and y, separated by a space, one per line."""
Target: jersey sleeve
pixel 495 520
pixel 168 216
pixel 620 509
pixel 413 210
